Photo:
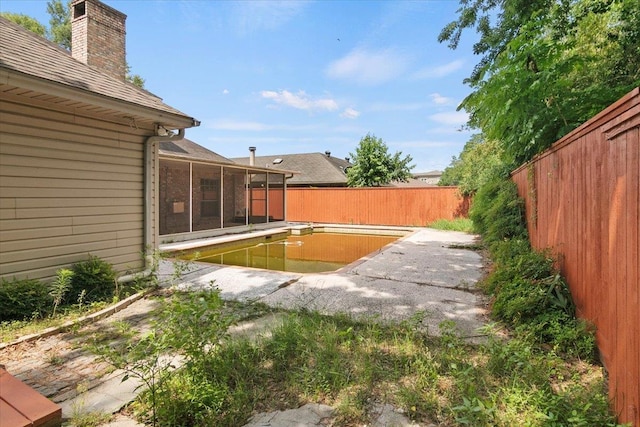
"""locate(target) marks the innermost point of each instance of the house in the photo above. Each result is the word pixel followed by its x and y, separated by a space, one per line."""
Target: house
pixel 431 177
pixel 314 169
pixel 202 193
pixel 78 149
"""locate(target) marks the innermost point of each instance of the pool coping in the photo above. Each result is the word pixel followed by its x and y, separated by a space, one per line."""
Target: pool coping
pixel 291 229
pixel 296 229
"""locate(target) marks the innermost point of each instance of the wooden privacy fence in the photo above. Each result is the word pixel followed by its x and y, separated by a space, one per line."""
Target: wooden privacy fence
pixel 582 201
pixel 375 206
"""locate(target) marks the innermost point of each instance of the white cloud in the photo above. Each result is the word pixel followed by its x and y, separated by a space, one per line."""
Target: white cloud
pixel 440 100
pixel 225 92
pixel 439 71
pixel 350 113
pixel 265 15
pixel 452 118
pixel 368 67
pixel 300 100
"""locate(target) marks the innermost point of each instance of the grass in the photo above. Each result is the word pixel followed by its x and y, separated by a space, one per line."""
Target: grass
pixel 351 365
pixel 459 224
pixel 354 366
pixel 10 331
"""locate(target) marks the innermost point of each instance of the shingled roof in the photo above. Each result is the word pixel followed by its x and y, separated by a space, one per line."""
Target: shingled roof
pixel 28 61
pixel 189 150
pixel 315 169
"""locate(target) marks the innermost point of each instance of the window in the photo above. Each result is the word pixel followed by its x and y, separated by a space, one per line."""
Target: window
pixel 210 202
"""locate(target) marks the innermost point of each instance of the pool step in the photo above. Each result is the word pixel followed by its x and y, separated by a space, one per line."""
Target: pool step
pixel 301 230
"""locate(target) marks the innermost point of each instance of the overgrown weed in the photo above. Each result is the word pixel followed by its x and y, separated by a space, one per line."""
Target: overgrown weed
pixel 356 365
pixel 458 224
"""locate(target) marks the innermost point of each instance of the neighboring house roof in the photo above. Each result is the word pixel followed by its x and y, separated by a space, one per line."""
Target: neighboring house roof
pixel 52 70
pixel 434 173
pixel 187 149
pixel 314 168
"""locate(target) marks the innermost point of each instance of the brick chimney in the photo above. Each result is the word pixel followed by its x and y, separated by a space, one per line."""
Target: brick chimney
pixel 98 36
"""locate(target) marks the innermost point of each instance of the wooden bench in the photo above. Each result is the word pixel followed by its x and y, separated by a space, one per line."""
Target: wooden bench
pixel 22 406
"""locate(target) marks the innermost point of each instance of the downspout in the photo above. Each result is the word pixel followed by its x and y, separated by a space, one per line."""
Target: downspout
pixel 150 177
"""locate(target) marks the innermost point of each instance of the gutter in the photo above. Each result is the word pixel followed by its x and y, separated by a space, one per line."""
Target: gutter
pixel 151 176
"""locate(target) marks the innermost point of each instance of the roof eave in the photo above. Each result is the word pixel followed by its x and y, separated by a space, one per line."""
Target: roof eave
pixel 37 84
pixel 231 165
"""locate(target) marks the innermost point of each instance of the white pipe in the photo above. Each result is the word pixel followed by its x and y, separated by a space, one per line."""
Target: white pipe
pixel 150 171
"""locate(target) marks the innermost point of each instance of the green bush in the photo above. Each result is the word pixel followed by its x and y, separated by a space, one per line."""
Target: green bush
pixel 23 299
pixel 516 261
pixel 498 212
pixel 96 277
pixel 529 294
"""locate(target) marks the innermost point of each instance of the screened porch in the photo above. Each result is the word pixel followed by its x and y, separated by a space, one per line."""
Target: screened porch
pixel 196 197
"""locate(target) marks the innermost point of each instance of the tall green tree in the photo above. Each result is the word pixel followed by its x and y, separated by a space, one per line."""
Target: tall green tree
pixel 60 22
pixel 547 66
pixel 475 166
pixel 373 166
pixel 27 22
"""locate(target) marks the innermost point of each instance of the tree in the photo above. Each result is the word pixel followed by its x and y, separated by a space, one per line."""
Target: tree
pixel 475 166
pixel 548 66
pixel 373 166
pixel 27 22
pixel 60 22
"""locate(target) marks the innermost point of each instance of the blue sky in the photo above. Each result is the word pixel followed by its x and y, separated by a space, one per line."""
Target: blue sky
pixel 299 77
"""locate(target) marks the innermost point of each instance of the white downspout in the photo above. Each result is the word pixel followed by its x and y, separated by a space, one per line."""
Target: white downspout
pixel 151 174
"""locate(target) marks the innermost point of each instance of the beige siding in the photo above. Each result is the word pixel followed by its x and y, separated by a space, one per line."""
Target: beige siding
pixel 70 185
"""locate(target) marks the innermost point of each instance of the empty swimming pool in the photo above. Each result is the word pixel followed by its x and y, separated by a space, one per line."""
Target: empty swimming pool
pixel 311 253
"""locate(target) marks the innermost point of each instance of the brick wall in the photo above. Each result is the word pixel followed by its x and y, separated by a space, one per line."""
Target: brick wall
pixel 98 36
pixel 174 190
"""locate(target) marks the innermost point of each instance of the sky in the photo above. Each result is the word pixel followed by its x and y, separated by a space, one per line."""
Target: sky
pixel 302 76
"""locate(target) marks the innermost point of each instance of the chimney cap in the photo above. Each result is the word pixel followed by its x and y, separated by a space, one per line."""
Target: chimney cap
pixel 252 149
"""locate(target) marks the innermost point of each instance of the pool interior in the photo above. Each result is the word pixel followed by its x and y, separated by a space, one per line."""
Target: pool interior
pixel 311 253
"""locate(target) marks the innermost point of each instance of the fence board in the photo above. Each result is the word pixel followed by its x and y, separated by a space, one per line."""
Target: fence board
pixel 582 198
pixel 375 206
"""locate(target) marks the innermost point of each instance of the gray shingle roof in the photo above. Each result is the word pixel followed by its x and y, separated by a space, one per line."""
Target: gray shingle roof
pixel 188 149
pixel 27 53
pixel 315 168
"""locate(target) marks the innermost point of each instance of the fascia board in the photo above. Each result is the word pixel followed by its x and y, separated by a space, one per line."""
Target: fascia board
pixel 14 78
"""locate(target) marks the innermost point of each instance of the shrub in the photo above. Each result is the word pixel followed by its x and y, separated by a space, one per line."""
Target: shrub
pixel 517 261
pixel 529 293
pixel 23 299
pixel 96 277
pixel 498 212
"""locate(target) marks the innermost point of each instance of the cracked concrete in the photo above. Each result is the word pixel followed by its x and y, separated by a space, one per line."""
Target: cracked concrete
pixel 428 272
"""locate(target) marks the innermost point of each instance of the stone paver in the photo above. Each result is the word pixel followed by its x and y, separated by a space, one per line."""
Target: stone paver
pixel 56 365
pixel 311 414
